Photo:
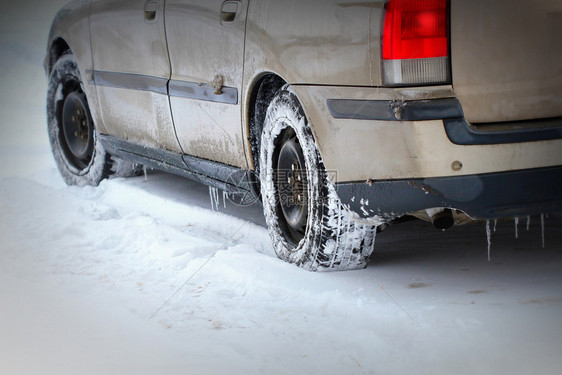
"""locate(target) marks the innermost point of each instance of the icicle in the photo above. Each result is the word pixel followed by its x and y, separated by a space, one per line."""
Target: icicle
pixel 528 222
pixel 489 237
pixel 217 199
pixel 516 220
pixel 224 197
pixel 542 229
pixel 495 224
pixel 145 171
pixel 214 196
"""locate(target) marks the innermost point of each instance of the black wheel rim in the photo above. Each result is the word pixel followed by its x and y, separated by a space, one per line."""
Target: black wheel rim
pixel 77 130
pixel 291 187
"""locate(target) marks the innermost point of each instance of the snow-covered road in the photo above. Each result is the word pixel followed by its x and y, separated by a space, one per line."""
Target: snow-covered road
pixel 142 277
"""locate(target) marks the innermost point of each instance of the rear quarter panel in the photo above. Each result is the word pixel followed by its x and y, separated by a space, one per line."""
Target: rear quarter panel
pixel 314 42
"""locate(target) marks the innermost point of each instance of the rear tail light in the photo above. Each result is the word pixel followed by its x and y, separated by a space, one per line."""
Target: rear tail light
pixel 415 43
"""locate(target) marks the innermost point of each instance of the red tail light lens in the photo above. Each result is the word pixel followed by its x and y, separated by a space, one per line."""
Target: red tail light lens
pixel 415 43
pixel 415 29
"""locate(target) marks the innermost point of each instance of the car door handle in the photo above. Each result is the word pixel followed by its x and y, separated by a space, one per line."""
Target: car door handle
pixel 229 9
pixel 150 8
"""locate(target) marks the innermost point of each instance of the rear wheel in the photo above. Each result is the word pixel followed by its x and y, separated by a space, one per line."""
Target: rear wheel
pixel 307 222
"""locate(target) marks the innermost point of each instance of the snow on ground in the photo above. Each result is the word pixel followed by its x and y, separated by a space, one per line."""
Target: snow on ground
pixel 142 277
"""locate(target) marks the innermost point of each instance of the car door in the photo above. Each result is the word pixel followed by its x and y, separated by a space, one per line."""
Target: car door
pixel 132 70
pixel 206 47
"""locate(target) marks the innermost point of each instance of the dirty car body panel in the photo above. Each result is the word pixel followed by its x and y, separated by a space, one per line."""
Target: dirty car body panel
pixel 174 84
pixel 131 88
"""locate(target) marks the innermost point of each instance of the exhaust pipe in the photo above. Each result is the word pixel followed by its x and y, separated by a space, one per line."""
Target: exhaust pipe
pixel 441 218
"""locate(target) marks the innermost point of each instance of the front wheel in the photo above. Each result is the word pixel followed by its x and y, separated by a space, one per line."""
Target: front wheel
pixel 80 157
pixel 307 222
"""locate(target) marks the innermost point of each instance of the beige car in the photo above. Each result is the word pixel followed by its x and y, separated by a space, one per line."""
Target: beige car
pixel 342 116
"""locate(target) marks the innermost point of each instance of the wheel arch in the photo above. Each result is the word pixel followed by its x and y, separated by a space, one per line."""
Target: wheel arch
pixel 57 48
pixel 70 31
pixel 261 93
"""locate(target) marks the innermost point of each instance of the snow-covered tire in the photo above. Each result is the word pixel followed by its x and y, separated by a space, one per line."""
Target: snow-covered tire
pixel 80 157
pixel 328 239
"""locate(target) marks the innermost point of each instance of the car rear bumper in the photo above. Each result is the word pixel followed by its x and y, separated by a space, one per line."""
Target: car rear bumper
pixel 384 134
pixel 481 196
pixel 393 152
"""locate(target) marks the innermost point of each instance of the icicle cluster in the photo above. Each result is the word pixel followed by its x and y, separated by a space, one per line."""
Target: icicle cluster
pixel 215 198
pixel 516 221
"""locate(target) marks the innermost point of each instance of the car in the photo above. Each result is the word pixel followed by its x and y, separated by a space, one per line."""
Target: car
pixel 340 117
